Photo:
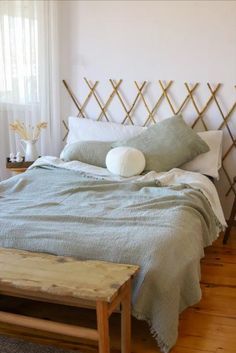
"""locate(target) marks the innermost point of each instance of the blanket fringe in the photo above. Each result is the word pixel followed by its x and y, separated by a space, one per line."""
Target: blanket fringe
pixel 165 348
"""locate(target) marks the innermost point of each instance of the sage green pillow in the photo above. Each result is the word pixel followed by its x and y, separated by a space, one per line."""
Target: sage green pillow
pixel 167 144
pixel 90 152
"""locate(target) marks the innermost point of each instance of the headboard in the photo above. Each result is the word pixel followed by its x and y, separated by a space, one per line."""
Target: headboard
pixel 203 106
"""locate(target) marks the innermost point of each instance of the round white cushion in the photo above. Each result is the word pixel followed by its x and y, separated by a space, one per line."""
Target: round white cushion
pixel 125 161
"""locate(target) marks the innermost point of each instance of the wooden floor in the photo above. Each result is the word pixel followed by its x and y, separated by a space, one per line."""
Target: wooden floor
pixel 208 327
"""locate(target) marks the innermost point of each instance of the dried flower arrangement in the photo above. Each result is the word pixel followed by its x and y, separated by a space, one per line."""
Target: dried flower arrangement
pixel 32 133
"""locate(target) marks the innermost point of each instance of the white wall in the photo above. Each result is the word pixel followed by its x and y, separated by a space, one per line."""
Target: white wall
pixel 179 40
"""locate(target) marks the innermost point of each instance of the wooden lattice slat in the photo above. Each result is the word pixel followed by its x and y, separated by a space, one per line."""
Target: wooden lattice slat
pixel 165 97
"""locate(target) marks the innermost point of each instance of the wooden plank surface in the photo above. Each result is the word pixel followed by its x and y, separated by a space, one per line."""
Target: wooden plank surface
pixel 61 277
pixel 208 327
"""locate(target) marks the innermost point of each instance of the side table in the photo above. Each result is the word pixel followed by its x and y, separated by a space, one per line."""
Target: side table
pixel 17 167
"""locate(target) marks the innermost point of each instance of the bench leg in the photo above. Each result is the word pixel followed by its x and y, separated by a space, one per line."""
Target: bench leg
pixel 103 327
pixel 126 320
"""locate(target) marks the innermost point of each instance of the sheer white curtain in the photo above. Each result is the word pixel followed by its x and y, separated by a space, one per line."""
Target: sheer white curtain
pixel 29 77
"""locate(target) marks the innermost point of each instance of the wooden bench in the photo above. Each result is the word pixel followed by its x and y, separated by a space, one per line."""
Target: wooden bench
pixel 67 281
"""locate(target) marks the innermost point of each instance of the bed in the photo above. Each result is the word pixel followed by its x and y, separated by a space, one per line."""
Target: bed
pixel 160 221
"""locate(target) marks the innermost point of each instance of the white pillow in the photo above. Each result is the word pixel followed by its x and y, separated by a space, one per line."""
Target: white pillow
pixel 83 129
pixel 125 161
pixel 210 162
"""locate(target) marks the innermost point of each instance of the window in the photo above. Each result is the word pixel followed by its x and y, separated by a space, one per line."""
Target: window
pixel 19 74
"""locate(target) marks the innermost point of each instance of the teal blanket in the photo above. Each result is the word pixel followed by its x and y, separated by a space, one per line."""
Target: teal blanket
pixel 162 229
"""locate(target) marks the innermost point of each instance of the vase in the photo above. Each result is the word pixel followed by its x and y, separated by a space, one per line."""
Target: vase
pixel 30 150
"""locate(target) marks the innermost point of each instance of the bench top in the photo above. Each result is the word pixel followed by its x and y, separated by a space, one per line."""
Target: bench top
pixel 45 275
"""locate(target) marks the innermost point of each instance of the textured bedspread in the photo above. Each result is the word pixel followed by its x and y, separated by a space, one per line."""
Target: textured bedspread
pixel 163 229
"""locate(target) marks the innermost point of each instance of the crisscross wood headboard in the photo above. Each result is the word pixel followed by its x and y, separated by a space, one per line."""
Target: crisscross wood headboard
pixel 158 100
